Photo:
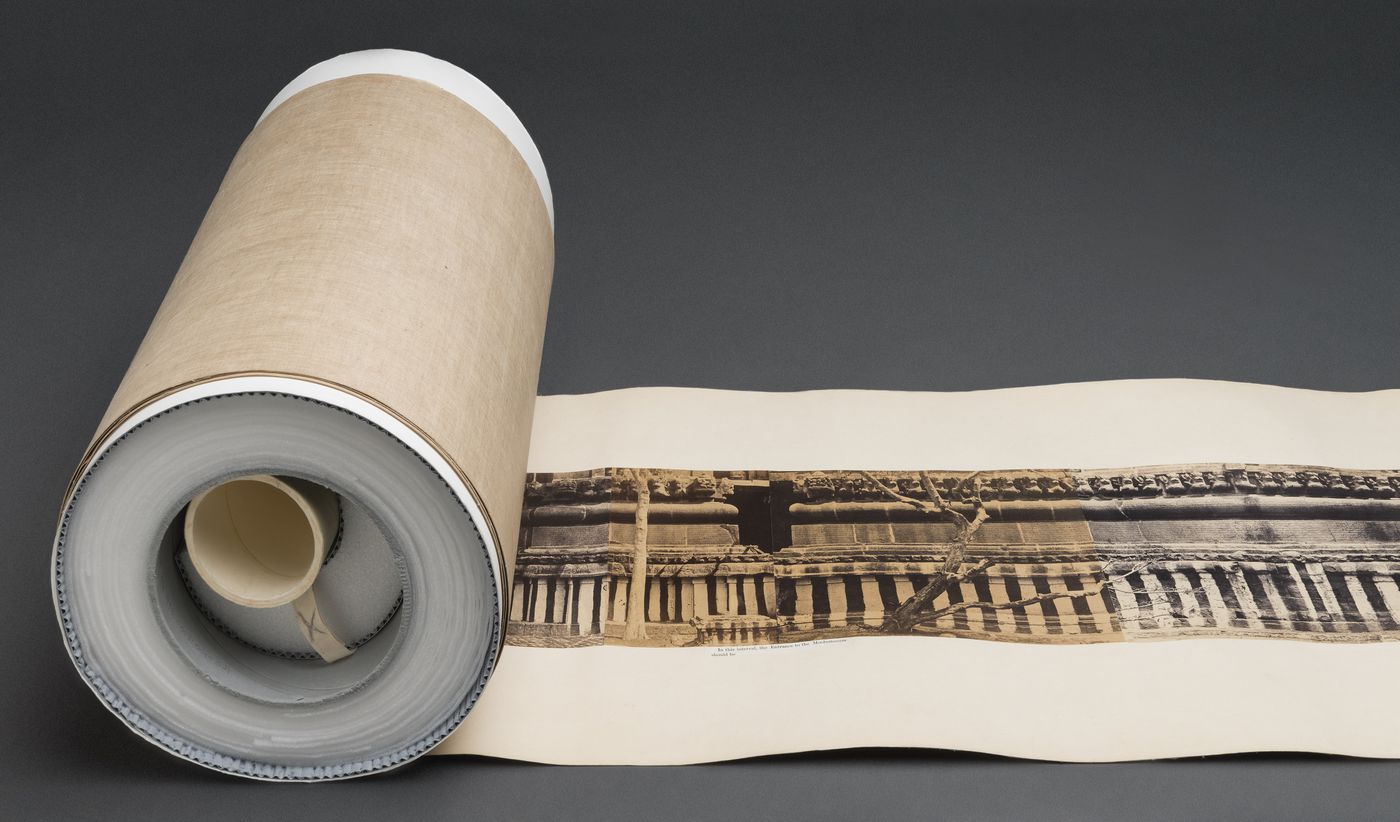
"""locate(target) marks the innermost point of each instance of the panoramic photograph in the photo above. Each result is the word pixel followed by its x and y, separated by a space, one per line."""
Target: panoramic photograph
pixel 676 558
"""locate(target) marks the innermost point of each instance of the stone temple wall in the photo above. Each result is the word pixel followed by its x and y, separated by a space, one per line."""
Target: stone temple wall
pixel 1146 553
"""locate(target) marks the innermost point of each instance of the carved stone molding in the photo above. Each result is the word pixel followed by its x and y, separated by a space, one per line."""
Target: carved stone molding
pixel 1160 481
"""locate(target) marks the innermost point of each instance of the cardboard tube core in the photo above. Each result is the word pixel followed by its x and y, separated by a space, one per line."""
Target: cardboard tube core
pixel 260 540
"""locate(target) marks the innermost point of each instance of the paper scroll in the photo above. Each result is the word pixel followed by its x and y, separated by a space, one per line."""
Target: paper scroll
pixel 322 513
pixel 364 303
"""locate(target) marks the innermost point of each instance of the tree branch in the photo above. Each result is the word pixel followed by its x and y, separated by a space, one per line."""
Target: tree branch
pixel 980 566
pixel 1000 606
pixel 937 507
pixel 907 614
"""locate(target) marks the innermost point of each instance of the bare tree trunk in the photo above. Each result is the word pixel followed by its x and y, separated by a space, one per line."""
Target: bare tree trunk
pixel 908 614
pixel 636 628
pixel 915 612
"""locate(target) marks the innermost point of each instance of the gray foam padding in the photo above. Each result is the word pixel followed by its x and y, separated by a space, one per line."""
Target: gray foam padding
pixel 139 640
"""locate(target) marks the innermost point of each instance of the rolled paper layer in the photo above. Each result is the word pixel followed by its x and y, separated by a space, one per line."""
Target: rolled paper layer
pixel 260 540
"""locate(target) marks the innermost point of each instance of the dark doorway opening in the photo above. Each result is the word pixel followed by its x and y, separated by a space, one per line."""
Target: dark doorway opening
pixel 755 516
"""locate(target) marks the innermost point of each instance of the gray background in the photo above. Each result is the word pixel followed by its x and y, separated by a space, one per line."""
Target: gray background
pixel 945 195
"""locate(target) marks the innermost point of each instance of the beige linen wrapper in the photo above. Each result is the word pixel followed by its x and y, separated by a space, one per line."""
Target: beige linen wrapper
pixel 376 234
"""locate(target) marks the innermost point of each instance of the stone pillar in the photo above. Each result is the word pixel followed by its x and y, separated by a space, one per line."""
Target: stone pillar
pixel 968 592
pixel 1318 575
pixel 1195 616
pixel 804 602
pixel 1160 605
pixel 1126 597
pixel 687 592
pixel 1245 597
pixel 619 613
pixel 700 596
pixel 749 591
pixel 517 600
pixel 836 595
pixel 654 599
pixel 1221 610
pixel 1276 603
pixel 1157 612
pixel 561 597
pixel 941 601
pixel 903 588
pixel 1038 616
pixel 1363 603
pixel 1058 579
pixel 732 596
pixel 874 606
pixel 584 618
pixel 1005 618
pixel 539 594
pixel 1309 608
pixel 770 596
pixel 1390 593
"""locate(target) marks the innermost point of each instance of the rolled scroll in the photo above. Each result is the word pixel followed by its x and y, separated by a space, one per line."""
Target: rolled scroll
pixel 359 317
pixel 324 499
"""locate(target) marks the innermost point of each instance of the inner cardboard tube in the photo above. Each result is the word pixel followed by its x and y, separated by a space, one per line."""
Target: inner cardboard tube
pixel 260 540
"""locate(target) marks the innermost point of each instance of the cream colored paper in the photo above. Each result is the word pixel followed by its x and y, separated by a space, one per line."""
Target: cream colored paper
pixel 618 705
